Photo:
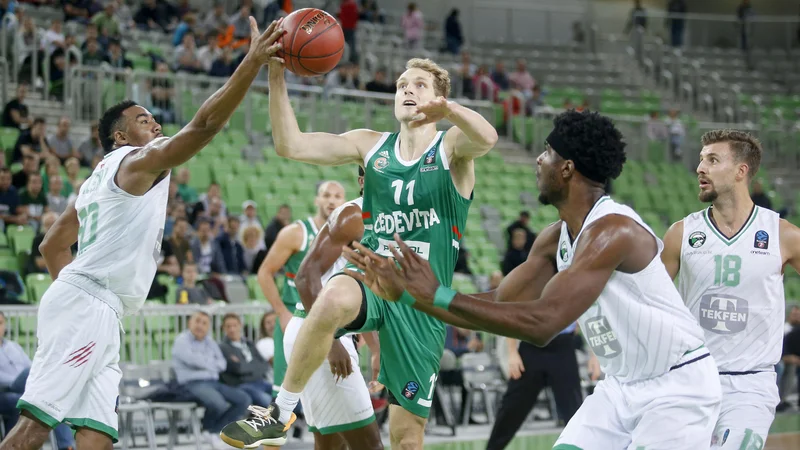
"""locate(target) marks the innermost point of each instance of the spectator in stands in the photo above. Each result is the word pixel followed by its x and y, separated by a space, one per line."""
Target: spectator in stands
pixel 536 104
pixel 677 24
pixel 185 55
pixel 198 362
pixel 30 166
pixel 93 34
pixel 33 200
pixel 453 37
pixel 215 18
pixel 206 200
pixel 209 53
pixel 15 113
pixel 60 143
pixel 266 343
pixel 246 368
pixel 32 140
pixel 413 26
pixel 761 199
pixel 637 17
pixel 485 87
pixel 115 57
pixel 370 12
pixel 187 193
pixel 232 251
pixel 13 376
pixel 380 84
pixel 522 222
pixel 745 13
pixel 523 79
pixel 656 128
pixel 462 260
pixel 205 250
pixel 568 104
pixel 190 293
pixel 460 341
pixel 344 76
pixel 791 344
pixel 241 22
pixel 179 241
pixel 9 201
pixel 150 17
pixel 578 35
pixel 26 40
pixel 90 147
pixel 348 19
pixel 36 262
pixel 464 73
pixel 585 105
pixel 516 253
pixel 107 24
pixel 500 76
pixel 7 7
pixel 186 25
pixel 252 244
pixel 281 219
pixel 54 37
pixel 77 10
pixel 224 65
pixel 73 182
pixel 249 217
pixel 162 92
pixel 93 56
pixel 56 201
pixel 59 62
pixel 676 133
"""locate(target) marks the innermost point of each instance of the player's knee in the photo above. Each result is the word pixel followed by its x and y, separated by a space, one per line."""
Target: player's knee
pixel 337 305
pixel 406 435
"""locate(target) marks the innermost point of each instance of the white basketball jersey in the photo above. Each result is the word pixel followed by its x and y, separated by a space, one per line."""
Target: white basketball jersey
pixel 339 264
pixel 120 234
pixel 734 288
pixel 639 328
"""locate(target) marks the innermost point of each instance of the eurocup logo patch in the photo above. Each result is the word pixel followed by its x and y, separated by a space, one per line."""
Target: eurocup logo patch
pixel 697 239
pixel 411 389
pixel 430 157
pixel 762 240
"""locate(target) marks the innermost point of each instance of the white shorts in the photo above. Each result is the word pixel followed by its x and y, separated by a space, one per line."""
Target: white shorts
pixel 331 406
pixel 676 410
pixel 75 373
pixel 747 410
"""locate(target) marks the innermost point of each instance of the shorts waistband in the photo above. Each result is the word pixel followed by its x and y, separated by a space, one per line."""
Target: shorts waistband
pixel 746 372
pixel 94 288
pixel 692 356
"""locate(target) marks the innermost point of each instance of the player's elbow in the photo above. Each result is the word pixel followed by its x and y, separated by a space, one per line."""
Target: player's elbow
pixel 491 139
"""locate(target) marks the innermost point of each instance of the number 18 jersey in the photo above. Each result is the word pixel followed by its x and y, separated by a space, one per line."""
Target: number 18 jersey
pixel 119 240
pixel 734 288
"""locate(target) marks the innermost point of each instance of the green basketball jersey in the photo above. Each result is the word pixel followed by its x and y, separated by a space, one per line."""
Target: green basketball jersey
pixel 289 293
pixel 416 199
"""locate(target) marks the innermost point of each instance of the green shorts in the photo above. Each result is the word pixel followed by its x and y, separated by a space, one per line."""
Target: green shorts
pixel 412 343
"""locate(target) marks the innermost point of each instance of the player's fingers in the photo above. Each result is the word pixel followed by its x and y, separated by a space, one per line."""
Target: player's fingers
pixel 270 28
pixel 278 59
pixel 253 28
pixel 408 253
pixel 357 275
pixel 349 365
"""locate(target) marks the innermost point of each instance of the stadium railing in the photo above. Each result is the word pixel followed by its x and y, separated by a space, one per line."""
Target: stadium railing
pixel 89 90
pixel 147 335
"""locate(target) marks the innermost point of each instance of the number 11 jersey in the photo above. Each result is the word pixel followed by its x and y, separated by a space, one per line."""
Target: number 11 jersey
pixel 119 240
pixel 734 288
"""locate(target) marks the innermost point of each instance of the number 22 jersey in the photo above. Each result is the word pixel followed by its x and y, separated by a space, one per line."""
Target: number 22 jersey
pixel 734 288
pixel 119 240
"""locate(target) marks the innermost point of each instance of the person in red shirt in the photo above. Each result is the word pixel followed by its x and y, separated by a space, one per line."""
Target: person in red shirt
pixel 348 18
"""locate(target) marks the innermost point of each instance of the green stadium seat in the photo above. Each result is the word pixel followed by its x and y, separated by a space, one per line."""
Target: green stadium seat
pixel 36 284
pixel 9 263
pixel 21 237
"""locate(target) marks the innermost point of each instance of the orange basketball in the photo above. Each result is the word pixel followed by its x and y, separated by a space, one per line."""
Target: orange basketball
pixel 313 43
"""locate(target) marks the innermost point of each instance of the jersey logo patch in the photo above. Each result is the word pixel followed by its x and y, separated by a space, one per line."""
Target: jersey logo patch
pixel 430 157
pixel 564 252
pixel 762 240
pixel 602 338
pixel 380 164
pixel 697 239
pixel 723 314
pixel 411 389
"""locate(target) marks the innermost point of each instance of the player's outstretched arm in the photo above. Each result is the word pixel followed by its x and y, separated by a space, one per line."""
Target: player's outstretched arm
pixel 56 248
pixel 288 242
pixel 472 135
pixel 164 154
pixel 790 244
pixel 604 246
pixel 313 148
pixel 671 256
pixel 343 226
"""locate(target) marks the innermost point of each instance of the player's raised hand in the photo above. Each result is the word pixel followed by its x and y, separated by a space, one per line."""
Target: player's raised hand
pixel 265 46
pixel 433 111
pixel 418 277
pixel 380 274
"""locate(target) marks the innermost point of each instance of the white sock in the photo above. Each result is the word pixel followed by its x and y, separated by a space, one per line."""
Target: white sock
pixel 287 402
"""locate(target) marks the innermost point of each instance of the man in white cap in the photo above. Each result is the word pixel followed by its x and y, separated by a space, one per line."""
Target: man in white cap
pixel 250 217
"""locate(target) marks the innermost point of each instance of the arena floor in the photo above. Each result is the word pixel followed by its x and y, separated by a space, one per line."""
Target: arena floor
pixel 784 435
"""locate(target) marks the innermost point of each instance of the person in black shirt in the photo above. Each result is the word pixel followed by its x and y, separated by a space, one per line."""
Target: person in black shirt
pixel 32 140
pixel 15 113
pixel 522 222
pixel 30 165
pixel 379 84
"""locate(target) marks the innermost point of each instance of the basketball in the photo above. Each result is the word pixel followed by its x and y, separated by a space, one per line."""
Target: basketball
pixel 313 43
